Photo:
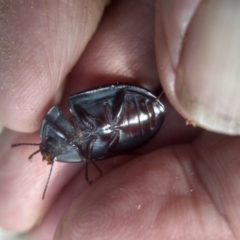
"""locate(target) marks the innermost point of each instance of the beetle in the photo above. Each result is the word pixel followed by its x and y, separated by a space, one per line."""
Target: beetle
pixel 106 121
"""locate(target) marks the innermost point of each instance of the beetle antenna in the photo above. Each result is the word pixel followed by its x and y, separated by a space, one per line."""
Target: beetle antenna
pixel 27 144
pixel 48 180
pixel 21 144
pixel 160 95
pixel 31 156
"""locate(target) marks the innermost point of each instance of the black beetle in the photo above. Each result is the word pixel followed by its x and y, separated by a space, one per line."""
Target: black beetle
pixel 107 121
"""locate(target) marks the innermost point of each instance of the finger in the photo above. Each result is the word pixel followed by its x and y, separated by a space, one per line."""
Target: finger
pixel 173 188
pixel 218 171
pixel 72 190
pixel 22 183
pixel 122 49
pixel 198 60
pixel 40 42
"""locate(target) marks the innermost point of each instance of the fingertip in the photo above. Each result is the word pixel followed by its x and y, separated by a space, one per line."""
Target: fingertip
pixel 171 22
pixel 40 44
pixel 203 85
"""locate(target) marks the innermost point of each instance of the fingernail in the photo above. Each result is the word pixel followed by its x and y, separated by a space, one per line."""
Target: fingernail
pixel 208 75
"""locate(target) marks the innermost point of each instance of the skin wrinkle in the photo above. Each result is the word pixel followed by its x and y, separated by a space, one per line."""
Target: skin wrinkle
pixel 75 36
pixel 184 34
pixel 58 68
pixel 38 85
pixel 160 67
pixel 68 35
pixel 21 61
pixel 171 202
pixel 218 205
pixel 83 24
pixel 219 208
pixel 225 188
pixel 6 56
pixel 47 52
pixel 165 40
pixel 197 204
pixel 36 70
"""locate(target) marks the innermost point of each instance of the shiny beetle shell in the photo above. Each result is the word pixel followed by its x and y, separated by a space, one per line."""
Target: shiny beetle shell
pixel 107 121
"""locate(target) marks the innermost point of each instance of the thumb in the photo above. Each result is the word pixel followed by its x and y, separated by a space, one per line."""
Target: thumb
pixel 198 45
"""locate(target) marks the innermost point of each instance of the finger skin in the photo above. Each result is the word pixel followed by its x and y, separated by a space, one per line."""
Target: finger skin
pixel 198 61
pixel 122 49
pixel 171 188
pixel 40 42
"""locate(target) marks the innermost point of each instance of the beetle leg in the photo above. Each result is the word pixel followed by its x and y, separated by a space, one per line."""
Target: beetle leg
pixel 113 116
pixel 84 119
pixel 108 113
pixel 119 104
pixel 88 151
pixel 113 141
pixel 86 170
pixel 90 145
pixel 73 121
pixel 86 173
pixel 88 159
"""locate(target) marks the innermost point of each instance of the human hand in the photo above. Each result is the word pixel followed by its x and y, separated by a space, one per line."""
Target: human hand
pixel 185 183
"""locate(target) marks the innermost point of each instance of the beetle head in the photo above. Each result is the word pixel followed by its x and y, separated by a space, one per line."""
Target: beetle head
pixel 50 148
